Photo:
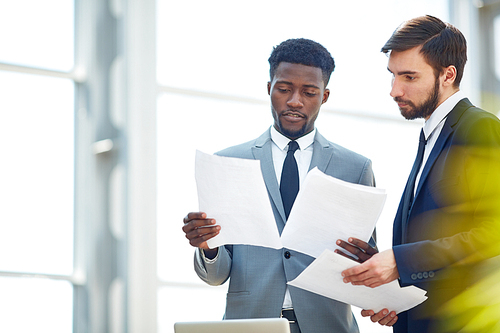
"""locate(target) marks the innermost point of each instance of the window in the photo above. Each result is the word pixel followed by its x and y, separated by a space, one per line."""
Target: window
pixel 37 169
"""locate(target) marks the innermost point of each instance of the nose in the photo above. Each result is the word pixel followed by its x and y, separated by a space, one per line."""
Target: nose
pixel 295 100
pixel 396 89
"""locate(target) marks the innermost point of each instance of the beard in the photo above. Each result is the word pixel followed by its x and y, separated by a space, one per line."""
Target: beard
pixel 423 110
pixel 291 134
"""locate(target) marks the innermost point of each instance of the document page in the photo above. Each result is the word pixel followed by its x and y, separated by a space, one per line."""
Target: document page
pixel 324 277
pixel 327 209
pixel 233 192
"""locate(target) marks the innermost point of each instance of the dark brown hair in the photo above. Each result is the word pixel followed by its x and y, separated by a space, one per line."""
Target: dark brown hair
pixel 442 44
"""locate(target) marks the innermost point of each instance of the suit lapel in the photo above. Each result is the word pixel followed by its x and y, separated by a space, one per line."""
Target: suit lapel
pixel 263 151
pixel 322 153
pixel 440 144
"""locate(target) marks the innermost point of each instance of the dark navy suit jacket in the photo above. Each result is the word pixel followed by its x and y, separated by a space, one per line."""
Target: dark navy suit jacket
pixel 453 225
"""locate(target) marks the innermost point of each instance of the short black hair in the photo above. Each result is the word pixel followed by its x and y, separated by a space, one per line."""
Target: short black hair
pixel 442 44
pixel 304 52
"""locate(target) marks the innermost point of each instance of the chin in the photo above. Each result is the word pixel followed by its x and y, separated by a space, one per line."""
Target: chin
pixel 408 114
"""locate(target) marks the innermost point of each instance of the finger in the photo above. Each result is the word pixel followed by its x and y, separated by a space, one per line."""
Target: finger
pixel 359 279
pixel 194 216
pixel 196 224
pixel 348 256
pixel 379 315
pixel 200 232
pixel 393 321
pixel 367 313
pixel 354 271
pixel 387 320
pixel 353 249
pixel 371 282
pixel 363 245
pixel 199 240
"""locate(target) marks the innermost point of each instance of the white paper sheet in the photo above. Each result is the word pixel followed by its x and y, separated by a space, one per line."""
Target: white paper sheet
pixel 324 277
pixel 327 209
pixel 232 191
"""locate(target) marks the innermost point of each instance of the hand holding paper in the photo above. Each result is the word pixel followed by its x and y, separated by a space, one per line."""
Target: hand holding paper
pixel 324 277
pixel 327 209
pixel 232 191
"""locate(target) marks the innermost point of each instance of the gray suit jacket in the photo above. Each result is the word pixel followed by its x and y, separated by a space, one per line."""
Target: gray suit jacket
pixel 258 276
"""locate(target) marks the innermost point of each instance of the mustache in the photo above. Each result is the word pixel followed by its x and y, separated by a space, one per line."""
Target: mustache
pixel 292 111
pixel 400 100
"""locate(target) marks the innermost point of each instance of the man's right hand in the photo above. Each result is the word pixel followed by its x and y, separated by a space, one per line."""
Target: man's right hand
pixel 198 229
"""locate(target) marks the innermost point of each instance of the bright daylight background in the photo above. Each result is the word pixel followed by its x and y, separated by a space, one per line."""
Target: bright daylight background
pixel 212 72
pixel 222 48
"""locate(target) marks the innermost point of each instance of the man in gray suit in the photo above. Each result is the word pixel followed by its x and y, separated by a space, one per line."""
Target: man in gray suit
pixel 300 70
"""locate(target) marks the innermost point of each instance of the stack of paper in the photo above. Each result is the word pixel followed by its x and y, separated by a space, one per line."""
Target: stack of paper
pixel 324 277
pixel 233 192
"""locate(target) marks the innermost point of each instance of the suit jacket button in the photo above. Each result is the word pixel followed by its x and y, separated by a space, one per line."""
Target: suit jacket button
pixel 287 255
pixel 413 276
pixel 426 275
pixel 419 276
pixel 431 274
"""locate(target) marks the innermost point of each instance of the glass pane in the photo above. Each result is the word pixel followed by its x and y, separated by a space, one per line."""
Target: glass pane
pixel 173 302
pixel 37 33
pixel 223 46
pixel 36 305
pixel 36 174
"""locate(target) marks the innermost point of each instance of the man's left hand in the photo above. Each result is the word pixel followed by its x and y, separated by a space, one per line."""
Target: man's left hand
pixel 362 250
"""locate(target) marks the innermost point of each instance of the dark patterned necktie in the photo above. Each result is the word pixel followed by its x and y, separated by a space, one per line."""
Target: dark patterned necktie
pixel 289 184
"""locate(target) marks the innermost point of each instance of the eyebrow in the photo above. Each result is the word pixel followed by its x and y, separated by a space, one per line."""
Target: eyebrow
pixel 403 72
pixel 291 84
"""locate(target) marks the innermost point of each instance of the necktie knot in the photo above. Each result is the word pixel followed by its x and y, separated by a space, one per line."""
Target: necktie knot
pixel 292 146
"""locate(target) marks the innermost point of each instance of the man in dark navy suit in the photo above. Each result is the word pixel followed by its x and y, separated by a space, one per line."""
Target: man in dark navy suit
pixel 447 226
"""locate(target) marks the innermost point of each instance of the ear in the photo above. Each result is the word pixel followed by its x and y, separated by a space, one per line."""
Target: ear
pixel 450 74
pixel 326 94
pixel 269 88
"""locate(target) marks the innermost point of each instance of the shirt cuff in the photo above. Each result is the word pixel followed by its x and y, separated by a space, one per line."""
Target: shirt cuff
pixel 207 260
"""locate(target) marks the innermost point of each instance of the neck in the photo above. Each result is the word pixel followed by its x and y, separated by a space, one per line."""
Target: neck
pixel 443 97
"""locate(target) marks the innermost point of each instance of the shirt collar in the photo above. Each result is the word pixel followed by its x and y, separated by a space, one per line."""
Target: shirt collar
pixel 441 113
pixel 281 141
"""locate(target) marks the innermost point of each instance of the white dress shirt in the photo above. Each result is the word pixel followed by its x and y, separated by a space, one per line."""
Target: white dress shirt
pixel 303 156
pixel 433 126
